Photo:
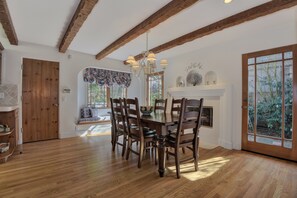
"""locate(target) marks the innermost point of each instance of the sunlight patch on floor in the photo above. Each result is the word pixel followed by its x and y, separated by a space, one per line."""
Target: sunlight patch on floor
pixel 206 168
pixel 97 130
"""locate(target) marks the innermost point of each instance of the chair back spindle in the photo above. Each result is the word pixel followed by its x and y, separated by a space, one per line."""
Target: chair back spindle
pixel 160 105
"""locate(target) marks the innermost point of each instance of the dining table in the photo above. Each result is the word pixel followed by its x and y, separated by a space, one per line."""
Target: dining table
pixel 160 122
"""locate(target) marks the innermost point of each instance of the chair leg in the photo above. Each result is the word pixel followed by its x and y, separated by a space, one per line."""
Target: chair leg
pixel 177 163
pixel 128 147
pixel 114 142
pixel 144 150
pixel 196 163
pixel 195 154
pixel 141 149
pixel 184 150
pixel 124 144
pixel 167 156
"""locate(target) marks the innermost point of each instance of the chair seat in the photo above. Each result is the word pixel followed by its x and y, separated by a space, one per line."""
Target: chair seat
pixel 184 138
pixel 147 131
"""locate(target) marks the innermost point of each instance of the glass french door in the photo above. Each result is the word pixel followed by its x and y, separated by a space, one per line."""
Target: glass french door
pixel 269 102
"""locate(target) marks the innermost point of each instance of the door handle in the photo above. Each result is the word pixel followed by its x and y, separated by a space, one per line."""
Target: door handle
pixel 56 105
pixel 244 107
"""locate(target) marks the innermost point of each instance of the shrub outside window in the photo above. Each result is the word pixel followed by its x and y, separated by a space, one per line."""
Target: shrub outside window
pixel 98 96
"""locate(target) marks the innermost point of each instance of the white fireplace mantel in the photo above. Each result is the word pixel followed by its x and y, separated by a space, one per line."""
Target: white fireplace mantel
pixel 221 92
pixel 203 91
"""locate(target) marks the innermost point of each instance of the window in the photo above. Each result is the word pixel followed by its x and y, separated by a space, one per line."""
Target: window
pixel 155 87
pixel 98 96
pixel 117 91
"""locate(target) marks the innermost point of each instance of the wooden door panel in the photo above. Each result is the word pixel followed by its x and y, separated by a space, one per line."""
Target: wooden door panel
pixel 40 94
pixel 54 100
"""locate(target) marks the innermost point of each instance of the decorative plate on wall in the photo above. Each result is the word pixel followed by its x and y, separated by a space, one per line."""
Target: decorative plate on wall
pixel 194 78
pixel 180 82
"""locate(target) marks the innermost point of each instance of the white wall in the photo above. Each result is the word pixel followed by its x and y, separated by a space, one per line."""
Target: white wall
pixel 70 66
pixel 224 52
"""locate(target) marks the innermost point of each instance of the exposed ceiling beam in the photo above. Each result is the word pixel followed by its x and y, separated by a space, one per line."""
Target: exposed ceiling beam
pixel 7 24
pixel 248 15
pixel 82 12
pixel 158 17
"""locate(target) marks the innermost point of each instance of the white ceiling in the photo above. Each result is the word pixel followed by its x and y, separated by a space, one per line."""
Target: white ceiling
pixel 45 22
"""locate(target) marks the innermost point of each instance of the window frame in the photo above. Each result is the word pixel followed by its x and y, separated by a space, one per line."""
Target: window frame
pixel 148 88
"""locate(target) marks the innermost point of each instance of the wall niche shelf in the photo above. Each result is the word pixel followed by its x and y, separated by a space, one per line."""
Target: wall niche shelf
pixel 9 117
pixel 6 133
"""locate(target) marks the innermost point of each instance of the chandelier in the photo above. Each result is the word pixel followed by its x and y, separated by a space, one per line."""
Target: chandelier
pixel 147 63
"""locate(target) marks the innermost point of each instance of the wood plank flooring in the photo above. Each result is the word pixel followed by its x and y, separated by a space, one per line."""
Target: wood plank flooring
pixel 86 167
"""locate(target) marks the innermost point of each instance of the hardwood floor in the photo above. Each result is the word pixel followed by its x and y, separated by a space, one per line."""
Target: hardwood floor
pixel 86 167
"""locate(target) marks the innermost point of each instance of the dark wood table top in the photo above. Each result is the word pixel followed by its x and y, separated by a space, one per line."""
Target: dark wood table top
pixel 160 118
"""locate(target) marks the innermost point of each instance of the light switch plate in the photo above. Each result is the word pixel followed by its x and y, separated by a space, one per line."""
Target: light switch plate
pixel 1 95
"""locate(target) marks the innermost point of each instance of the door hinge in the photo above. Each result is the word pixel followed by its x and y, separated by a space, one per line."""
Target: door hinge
pixel 21 98
pixel 21 130
pixel 22 66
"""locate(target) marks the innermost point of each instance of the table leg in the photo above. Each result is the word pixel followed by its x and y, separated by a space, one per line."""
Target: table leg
pixel 161 153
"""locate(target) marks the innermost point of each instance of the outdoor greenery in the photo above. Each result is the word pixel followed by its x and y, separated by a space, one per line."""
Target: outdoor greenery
pixel 97 95
pixel 269 102
pixel 155 89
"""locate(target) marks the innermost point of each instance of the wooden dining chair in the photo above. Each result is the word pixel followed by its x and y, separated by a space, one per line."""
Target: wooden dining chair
pixel 160 105
pixel 175 106
pixel 137 133
pixel 175 110
pixel 119 127
pixel 189 118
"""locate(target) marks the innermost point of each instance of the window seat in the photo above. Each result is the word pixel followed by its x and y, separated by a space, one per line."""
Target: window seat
pixel 91 115
pixel 83 121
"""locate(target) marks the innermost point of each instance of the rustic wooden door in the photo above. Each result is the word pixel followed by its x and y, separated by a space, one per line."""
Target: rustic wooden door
pixel 269 106
pixel 40 101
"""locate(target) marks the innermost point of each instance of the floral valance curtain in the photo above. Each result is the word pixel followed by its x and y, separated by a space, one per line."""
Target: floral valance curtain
pixel 107 78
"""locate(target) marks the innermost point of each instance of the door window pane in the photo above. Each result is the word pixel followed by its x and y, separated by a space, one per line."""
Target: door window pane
pixel 267 140
pixel 251 98
pixel 288 55
pixel 272 57
pixel 251 61
pixel 250 138
pixel 269 99
pixel 288 93
pixel 288 144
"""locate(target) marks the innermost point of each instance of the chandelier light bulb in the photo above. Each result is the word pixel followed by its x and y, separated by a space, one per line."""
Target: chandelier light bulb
pixel 135 64
pixel 130 60
pixel 151 57
pixel 227 1
pixel 147 63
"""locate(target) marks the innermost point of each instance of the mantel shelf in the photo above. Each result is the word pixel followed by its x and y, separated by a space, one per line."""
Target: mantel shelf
pixel 203 91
